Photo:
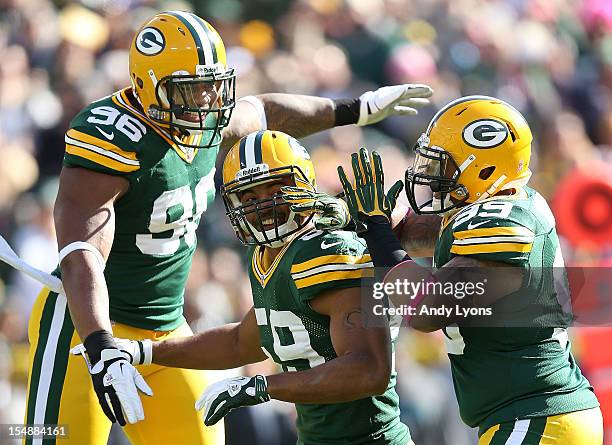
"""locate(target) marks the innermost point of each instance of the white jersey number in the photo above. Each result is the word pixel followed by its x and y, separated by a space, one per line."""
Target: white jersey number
pixel 128 125
pixel 493 209
pixel 454 340
pixel 300 348
pixel 183 226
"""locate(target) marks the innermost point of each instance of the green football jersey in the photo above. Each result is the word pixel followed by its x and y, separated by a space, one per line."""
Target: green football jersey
pixel 506 373
pixel 155 220
pixel 298 338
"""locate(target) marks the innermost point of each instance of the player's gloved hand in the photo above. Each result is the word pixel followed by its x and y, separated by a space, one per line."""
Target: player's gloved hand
pixel 403 99
pixel 137 352
pixel 366 199
pixel 222 397
pixel 329 212
pixel 115 380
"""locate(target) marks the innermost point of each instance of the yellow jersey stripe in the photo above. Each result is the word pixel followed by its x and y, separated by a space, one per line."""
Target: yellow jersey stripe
pixel 491 248
pixel 333 276
pixel 89 139
pixel 101 151
pixel 486 438
pixel 493 231
pixel 330 259
pixel 100 159
pixel 330 267
pixel 494 239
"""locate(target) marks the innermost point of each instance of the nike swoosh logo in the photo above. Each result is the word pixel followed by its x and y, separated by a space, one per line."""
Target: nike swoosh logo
pixel 110 136
pixel 473 226
pixel 327 246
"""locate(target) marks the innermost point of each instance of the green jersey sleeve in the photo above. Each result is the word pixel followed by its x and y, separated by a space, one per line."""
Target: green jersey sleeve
pixel 329 261
pixel 104 139
pixel 496 230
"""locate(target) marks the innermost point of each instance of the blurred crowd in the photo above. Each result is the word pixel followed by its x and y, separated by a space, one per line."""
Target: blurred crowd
pixel 551 59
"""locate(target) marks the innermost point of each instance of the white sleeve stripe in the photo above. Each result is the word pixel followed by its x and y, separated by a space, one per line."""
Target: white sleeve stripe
pixel 102 151
pixel 494 239
pixel 329 268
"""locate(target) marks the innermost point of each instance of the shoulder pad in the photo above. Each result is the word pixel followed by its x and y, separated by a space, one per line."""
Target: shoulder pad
pixel 104 137
pixel 329 256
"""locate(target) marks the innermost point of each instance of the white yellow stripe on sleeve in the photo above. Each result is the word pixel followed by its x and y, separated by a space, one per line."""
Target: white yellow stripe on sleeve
pixel 493 240
pixel 331 268
pixel 100 151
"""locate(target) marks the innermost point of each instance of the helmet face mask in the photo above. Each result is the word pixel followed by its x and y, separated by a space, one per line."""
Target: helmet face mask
pixel 436 172
pixel 191 105
pixel 266 221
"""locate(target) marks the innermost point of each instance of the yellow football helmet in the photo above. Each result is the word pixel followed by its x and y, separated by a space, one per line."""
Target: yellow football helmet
pixel 474 147
pixel 256 159
pixel 180 76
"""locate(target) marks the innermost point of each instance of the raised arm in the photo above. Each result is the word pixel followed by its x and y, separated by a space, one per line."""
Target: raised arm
pixel 301 116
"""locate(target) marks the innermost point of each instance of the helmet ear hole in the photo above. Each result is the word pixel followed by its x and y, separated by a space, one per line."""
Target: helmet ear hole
pixel 485 173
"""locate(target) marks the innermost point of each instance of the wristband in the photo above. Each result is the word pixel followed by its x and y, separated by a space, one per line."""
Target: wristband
pixel 96 342
pixel 146 351
pixel 346 111
pixel 385 249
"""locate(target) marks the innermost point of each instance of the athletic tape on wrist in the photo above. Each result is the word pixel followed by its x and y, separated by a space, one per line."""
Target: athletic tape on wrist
pixel 146 357
pixel 346 111
pixel 82 245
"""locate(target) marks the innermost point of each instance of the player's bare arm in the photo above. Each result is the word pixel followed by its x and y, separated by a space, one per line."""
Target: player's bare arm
pixel 363 365
pixel 463 269
pixel 84 212
pixel 225 347
pixel 294 114
pixel 301 115
pixel 85 219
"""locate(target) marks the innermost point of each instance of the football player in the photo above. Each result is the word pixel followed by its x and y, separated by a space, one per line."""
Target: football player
pixel 306 313
pixel 138 174
pixel 518 383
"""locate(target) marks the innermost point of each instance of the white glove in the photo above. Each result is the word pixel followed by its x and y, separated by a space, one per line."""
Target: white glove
pixel 137 352
pixel 223 396
pixel 392 100
pixel 117 383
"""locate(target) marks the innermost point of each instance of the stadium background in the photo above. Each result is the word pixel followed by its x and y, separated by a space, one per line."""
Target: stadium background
pixel 552 59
